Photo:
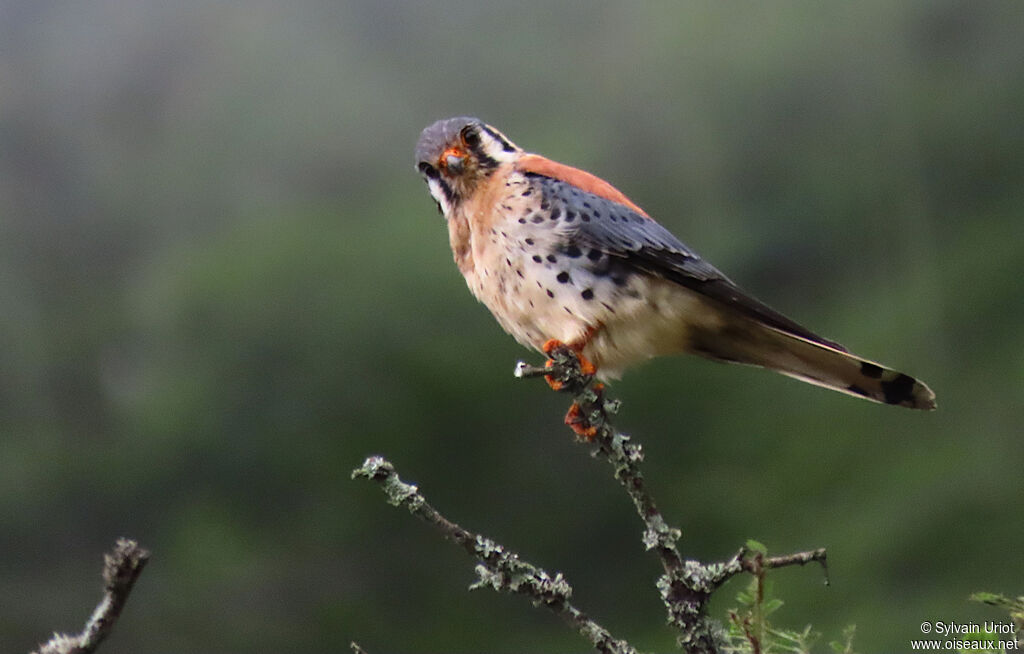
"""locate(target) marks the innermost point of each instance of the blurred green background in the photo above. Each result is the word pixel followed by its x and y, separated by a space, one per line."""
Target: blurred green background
pixel 223 285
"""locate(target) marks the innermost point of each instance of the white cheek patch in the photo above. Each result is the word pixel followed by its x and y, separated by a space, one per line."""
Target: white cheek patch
pixel 495 145
pixel 437 189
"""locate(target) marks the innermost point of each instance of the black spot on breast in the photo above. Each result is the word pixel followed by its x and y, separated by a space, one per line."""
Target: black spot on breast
pixel 527 193
pixel 522 221
pixel 537 258
pixel 556 213
pixel 529 241
pixel 563 278
pixel 587 294
pixel 550 293
pixel 572 252
pixel 569 216
pixel 585 217
pixel 597 214
pixel 537 219
pixel 594 255
pixel 544 205
pixel 509 262
pixel 552 258
pixel 869 369
pixel 587 205
pixel 899 390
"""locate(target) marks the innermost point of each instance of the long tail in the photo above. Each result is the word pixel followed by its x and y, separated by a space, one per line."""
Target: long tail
pixel 816 363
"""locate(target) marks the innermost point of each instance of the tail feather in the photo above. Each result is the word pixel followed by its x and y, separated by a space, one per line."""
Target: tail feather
pixel 816 363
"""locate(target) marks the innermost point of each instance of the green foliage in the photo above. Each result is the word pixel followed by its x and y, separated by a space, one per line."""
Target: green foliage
pixel 1014 607
pixel 751 632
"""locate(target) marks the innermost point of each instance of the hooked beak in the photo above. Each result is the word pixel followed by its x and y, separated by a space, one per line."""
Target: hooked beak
pixel 454 160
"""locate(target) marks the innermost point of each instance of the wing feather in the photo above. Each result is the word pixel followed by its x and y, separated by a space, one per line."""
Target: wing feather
pixel 644 245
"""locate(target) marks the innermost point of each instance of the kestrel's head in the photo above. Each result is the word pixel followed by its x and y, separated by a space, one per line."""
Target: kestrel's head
pixel 456 154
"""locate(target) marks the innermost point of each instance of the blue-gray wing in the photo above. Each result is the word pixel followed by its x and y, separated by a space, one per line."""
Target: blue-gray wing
pixel 635 243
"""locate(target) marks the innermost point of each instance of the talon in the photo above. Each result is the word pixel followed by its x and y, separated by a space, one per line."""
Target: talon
pixel 579 424
pixel 553 383
pixel 586 366
pixel 550 346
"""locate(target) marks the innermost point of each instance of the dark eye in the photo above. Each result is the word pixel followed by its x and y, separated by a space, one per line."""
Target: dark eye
pixel 427 170
pixel 470 136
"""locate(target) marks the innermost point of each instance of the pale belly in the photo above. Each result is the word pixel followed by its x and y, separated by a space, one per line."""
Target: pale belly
pixel 619 321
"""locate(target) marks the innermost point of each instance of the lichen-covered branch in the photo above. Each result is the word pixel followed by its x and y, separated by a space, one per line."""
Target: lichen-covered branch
pixel 500 568
pixel 121 567
pixel 686 585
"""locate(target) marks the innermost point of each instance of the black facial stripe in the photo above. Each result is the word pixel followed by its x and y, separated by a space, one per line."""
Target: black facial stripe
pixel 485 161
pixel 505 145
pixel 449 193
pixel 428 171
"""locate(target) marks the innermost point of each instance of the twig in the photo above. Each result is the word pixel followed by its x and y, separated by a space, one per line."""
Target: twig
pixel 500 568
pixel 121 568
pixel 687 585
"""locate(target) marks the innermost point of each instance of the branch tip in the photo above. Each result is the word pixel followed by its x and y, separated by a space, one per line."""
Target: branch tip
pixel 121 567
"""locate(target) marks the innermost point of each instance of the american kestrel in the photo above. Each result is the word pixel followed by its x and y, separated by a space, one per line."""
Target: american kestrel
pixel 559 255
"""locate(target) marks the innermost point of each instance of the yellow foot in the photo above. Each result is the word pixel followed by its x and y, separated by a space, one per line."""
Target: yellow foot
pixel 552 382
pixel 551 344
pixel 579 423
pixel 586 366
